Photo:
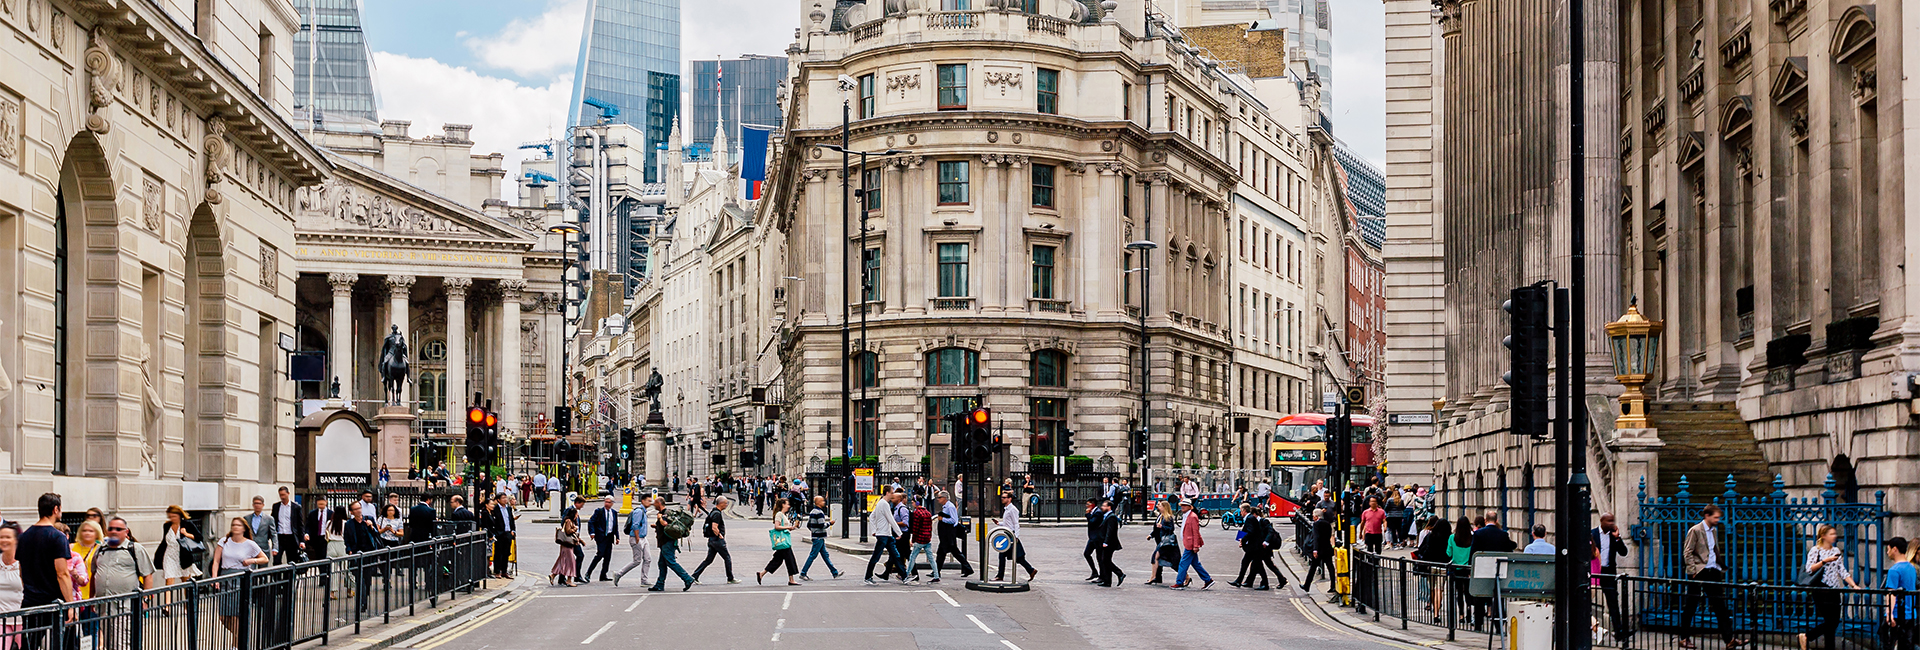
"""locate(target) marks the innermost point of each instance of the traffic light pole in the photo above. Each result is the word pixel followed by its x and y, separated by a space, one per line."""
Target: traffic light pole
pixel 1575 601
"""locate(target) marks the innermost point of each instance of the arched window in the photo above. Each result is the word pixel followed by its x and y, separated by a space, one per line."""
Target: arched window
pixel 1047 368
pixel 953 367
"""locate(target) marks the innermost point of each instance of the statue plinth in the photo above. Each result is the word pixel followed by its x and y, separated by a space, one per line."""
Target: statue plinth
pixel 654 435
pixel 392 442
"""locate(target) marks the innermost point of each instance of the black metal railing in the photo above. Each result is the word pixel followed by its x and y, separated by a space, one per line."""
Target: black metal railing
pixel 1635 612
pixel 270 608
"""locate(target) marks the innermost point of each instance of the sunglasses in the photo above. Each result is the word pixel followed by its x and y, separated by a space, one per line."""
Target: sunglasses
pixel 116 529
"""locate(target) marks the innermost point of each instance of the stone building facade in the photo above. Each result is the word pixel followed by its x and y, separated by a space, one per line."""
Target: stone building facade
pixel 1038 146
pixel 148 181
pixel 1415 282
pixel 1767 220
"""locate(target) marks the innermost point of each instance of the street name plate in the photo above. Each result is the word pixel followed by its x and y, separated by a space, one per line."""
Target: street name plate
pixel 1410 418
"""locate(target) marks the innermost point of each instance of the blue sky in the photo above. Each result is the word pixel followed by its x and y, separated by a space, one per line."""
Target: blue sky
pixel 506 66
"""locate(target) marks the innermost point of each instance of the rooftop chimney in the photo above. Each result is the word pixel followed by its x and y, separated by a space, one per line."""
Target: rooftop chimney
pixel 394 128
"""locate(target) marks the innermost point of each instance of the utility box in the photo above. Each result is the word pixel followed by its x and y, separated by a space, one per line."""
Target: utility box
pixel 1529 625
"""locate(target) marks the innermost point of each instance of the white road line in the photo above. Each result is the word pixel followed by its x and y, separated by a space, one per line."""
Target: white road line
pixel 596 635
pixel 1009 644
pixel 949 599
pixel 983 626
pixel 777 626
pixel 636 603
pixel 784 604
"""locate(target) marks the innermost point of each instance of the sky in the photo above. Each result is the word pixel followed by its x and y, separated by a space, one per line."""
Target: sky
pixel 506 66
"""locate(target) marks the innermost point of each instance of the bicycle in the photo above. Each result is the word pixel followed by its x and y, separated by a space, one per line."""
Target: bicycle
pixel 1232 520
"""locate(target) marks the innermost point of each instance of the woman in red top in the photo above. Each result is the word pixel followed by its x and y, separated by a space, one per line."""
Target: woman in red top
pixel 1373 523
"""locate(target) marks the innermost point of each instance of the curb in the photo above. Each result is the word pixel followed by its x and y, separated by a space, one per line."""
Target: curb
pixel 401 631
pixel 1364 625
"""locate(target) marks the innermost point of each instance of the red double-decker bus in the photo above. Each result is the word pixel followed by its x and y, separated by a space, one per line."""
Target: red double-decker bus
pixel 1298 456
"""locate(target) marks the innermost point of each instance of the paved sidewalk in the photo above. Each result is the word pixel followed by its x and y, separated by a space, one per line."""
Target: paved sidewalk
pixel 492 594
pixel 1385 628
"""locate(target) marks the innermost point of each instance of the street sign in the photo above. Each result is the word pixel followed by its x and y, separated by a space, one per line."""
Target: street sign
pixel 1521 575
pixel 863 479
pixel 1356 395
pixel 1000 539
pixel 1409 418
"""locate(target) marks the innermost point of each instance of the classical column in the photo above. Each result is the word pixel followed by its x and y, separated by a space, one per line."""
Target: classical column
pixel 913 239
pixel 993 210
pixel 1013 274
pixel 399 297
pixel 456 378
pixel 550 316
pixel 509 394
pixel 340 354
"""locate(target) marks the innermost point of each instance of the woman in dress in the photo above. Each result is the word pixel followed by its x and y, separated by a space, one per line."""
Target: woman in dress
pixel 568 537
pixel 336 533
pixel 235 553
pixel 390 524
pixel 1825 557
pixel 177 528
pixel 1163 537
pixel 781 539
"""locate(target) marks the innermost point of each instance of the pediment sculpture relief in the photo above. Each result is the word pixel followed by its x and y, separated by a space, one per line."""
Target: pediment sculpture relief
pixel 339 205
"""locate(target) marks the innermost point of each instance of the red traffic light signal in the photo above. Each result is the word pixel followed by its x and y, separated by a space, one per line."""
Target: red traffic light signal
pixel 979 416
pixel 476 415
pixel 492 419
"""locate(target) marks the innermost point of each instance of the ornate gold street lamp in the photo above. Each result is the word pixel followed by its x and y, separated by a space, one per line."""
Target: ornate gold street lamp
pixel 1636 349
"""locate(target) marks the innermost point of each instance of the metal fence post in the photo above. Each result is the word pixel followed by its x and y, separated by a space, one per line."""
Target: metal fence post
pixel 386 585
pixel 1403 594
pixel 193 613
pixel 326 604
pixel 1453 611
pixel 243 637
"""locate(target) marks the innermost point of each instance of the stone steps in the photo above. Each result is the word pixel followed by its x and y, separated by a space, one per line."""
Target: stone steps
pixel 1706 442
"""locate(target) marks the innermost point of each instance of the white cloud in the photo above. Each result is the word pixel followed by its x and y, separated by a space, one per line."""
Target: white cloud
pixel 537 47
pixel 503 112
pixel 1360 77
pixel 730 28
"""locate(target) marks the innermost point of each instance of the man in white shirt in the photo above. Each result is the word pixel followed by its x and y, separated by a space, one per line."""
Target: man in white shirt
pixel 1539 545
pixel 883 527
pixel 1010 519
pixel 287 517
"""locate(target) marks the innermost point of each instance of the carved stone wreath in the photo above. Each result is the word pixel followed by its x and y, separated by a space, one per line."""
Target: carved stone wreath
pixel 1005 80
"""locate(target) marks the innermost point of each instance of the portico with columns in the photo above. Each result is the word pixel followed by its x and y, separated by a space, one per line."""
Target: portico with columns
pixel 474 295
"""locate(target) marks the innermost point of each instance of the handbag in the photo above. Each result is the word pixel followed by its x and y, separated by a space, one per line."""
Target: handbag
pixel 1810 579
pixel 782 539
pixel 192 551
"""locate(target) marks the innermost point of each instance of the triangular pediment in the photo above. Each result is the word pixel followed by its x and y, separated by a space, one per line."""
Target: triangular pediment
pixel 358 200
pixel 1791 80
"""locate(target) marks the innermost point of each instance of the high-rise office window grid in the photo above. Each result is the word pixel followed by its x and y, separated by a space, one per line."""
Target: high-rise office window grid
pixel 746 94
pixel 333 72
pixel 630 57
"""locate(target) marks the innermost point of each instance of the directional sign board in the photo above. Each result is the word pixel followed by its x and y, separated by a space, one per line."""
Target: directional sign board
pixel 1000 539
pixel 863 479
pixel 1520 575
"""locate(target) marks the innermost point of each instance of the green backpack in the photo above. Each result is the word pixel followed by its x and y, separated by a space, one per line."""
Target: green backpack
pixel 675 524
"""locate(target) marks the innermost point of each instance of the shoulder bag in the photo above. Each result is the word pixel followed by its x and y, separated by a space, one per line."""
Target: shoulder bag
pixel 781 538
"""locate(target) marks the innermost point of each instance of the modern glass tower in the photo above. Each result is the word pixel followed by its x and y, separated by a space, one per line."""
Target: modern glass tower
pixel 630 58
pixel 1309 25
pixel 735 92
pixel 333 74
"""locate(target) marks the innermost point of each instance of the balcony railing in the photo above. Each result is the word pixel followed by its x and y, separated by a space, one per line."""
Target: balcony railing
pixel 954 20
pixel 952 303
pixel 871 30
pixel 1048 24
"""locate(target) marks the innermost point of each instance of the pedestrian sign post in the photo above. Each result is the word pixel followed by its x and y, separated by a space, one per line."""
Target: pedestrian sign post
pixel 863 479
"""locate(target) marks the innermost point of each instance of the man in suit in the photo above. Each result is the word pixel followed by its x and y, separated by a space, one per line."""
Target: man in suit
pixel 420 521
pixel 462 517
pixel 1096 535
pixel 1322 552
pixel 315 528
pixel 1606 541
pixel 605 530
pixel 1702 559
pixel 1489 538
pixel 1110 575
pixel 572 513
pixel 503 529
pixel 265 533
pixel 287 519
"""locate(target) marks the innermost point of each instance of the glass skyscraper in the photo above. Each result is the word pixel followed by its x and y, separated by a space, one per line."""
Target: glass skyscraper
pixel 630 58
pixel 739 91
pixel 333 74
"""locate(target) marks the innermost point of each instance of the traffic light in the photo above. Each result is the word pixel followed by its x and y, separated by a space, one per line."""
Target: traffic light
pixel 626 444
pixel 1136 440
pixel 1339 448
pixel 1529 316
pixel 980 435
pixel 1064 446
pixel 476 435
pixel 562 421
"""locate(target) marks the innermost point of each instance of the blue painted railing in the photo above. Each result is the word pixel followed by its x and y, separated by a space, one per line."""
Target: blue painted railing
pixel 1764 538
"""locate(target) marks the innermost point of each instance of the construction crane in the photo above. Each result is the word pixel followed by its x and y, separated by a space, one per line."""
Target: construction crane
pixel 543 145
pixel 538 178
pixel 607 110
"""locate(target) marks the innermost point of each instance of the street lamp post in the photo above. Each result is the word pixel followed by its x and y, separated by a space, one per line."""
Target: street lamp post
pixel 1145 248
pixel 564 230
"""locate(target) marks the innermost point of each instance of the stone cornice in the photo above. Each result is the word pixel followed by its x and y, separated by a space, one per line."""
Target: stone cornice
pixel 144 29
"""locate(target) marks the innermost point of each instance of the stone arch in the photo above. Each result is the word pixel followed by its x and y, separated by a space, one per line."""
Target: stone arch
pixel 89 342
pixel 213 384
pixel 1855 34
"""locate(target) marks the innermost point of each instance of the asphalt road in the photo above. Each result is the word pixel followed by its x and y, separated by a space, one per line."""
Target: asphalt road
pixel 837 614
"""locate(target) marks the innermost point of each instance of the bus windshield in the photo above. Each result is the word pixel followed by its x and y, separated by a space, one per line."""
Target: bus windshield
pixel 1300 433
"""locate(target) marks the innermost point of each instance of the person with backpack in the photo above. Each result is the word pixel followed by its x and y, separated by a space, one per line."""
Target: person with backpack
pixel 715 531
pixel 817 523
pixel 638 522
pixel 669 528
pixel 120 566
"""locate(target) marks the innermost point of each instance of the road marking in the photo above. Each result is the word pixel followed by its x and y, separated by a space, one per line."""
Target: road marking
pixel 788 602
pixel 461 629
pixel 983 626
pixel 1009 644
pixel 1310 616
pixel 949 599
pixel 596 635
pixel 636 603
pixel 777 626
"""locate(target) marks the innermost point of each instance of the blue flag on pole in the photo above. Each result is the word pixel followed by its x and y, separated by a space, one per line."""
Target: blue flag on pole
pixel 753 159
